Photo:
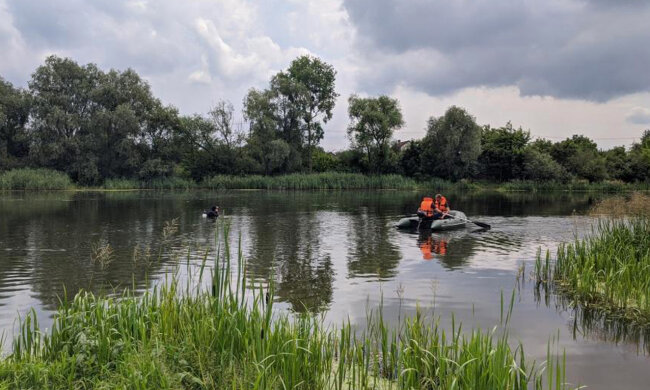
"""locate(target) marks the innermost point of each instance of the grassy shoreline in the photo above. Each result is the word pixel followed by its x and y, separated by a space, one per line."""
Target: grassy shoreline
pixel 607 272
pixel 43 179
pixel 226 334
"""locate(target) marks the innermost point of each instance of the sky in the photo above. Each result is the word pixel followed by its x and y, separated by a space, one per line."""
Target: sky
pixel 554 67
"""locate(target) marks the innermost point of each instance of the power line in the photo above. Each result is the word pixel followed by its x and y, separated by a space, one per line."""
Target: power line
pixel 596 138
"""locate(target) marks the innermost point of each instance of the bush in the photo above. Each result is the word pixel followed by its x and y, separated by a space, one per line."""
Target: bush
pixel 323 161
pixel 34 179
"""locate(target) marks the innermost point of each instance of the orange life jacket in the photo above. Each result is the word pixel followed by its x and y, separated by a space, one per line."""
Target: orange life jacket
pixel 426 206
pixel 442 204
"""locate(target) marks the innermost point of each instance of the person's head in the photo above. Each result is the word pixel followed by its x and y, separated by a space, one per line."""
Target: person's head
pixel 214 208
pixel 438 196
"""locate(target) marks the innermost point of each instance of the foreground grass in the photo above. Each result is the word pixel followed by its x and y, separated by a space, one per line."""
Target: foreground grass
pixel 608 271
pixel 224 337
pixel 34 179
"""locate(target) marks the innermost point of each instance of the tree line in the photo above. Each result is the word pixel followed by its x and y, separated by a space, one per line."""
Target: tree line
pixel 96 125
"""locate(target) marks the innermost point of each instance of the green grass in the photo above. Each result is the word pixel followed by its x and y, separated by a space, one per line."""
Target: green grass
pixel 316 181
pixel 571 186
pixel 167 183
pixel 121 184
pixel 34 179
pixel 227 335
pixel 44 179
pixel 607 271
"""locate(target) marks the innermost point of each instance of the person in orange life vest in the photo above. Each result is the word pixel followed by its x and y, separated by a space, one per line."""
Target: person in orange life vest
pixel 426 207
pixel 440 207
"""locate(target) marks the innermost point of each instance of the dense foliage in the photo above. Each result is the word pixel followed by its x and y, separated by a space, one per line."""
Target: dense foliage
pixel 98 126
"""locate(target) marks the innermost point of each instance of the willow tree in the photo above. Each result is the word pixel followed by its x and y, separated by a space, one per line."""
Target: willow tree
pixel 298 102
pixel 452 145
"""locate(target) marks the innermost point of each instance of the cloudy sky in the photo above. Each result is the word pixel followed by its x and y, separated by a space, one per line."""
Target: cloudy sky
pixel 556 67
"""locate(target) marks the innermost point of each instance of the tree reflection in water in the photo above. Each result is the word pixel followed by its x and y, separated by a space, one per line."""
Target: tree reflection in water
pixel 372 254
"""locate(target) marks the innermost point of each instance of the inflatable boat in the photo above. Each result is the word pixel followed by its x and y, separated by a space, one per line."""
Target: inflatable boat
pixel 458 220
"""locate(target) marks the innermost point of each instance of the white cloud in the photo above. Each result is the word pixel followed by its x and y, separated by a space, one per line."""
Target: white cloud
pixel 196 52
pixel 545 117
pixel 639 116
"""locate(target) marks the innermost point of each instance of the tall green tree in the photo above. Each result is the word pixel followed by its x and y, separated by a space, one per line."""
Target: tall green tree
pixel 580 156
pixel 452 145
pixel 294 108
pixel 502 154
pixel 14 115
pixel 264 144
pixel 95 125
pixel 640 158
pixel 540 166
pixel 410 161
pixel 214 143
pixel 619 164
pixel 373 122
pixel 315 95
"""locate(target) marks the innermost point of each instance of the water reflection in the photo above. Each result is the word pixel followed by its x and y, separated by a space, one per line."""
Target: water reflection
pixel 592 323
pixel 295 237
pixel 324 251
pixel 371 253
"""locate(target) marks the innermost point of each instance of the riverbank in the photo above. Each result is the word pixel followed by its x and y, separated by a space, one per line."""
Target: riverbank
pixel 43 179
pixel 228 335
pixel 607 272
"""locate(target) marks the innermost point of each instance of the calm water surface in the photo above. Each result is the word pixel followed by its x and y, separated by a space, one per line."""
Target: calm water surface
pixel 333 252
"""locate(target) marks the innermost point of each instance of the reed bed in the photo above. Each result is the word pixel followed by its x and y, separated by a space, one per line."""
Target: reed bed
pixel 34 179
pixel 317 181
pixel 607 186
pixel 607 271
pixel 226 335
pixel 634 204
pixel 167 183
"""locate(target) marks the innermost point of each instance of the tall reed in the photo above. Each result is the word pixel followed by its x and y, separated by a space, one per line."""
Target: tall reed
pixel 607 271
pixel 316 181
pixel 634 204
pixel 606 186
pixel 34 179
pixel 226 335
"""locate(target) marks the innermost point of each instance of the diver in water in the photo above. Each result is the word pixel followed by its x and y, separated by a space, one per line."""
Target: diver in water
pixel 212 213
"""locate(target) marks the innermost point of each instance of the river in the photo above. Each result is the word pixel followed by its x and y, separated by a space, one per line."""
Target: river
pixel 328 252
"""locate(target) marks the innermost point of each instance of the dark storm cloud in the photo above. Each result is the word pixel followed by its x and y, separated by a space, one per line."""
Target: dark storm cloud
pixel 593 50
